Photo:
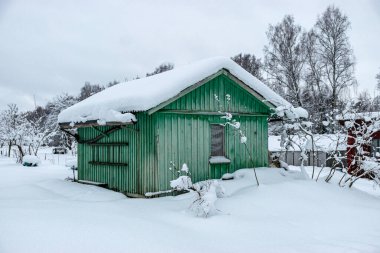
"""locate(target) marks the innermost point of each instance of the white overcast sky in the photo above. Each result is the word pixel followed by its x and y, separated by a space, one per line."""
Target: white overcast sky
pixel 49 47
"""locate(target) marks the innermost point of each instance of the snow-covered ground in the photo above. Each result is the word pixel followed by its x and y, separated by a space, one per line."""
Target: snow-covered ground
pixel 41 212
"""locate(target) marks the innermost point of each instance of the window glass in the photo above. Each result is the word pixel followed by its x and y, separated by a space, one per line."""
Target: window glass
pixel 217 140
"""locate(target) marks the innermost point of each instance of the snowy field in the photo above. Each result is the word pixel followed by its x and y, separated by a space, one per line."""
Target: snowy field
pixel 41 212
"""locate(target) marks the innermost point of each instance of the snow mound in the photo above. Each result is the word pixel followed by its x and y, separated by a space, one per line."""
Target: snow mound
pixel 31 160
pixel 146 93
pixel 227 176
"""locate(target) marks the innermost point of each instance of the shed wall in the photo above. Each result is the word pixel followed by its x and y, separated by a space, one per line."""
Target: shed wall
pixel 183 130
pixel 186 139
pixel 139 175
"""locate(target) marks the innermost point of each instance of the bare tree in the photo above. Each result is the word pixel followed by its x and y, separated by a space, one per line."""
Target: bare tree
pixel 364 102
pixel 335 51
pixel 378 81
pixel 54 107
pixel 88 90
pixel 250 63
pixel 162 68
pixel 9 119
pixel 315 91
pixel 113 83
pixel 284 59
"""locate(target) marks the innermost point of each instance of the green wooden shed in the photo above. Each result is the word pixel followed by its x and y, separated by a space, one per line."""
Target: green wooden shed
pixel 129 133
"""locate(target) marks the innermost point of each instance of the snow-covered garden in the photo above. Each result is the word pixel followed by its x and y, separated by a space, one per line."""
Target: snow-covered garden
pixel 42 212
pixel 139 163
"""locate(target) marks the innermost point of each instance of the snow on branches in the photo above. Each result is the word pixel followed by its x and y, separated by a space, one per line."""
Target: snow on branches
pixel 206 192
pixel 362 134
pixel 235 125
pixel 295 124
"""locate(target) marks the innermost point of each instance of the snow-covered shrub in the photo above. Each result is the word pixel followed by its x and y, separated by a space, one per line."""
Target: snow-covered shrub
pixel 284 165
pixel 30 160
pixel 206 192
pixel 295 124
pixel 182 183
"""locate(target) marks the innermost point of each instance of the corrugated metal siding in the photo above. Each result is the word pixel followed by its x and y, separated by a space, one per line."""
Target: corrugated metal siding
pixel 139 175
pixel 202 98
pixel 186 139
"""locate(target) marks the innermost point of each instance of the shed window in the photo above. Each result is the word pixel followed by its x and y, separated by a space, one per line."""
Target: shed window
pixel 217 140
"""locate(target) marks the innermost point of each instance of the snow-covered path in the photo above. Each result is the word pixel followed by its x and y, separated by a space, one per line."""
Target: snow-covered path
pixel 41 212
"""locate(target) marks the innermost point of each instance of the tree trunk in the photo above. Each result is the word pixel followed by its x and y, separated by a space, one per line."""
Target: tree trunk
pixel 9 148
pixel 21 153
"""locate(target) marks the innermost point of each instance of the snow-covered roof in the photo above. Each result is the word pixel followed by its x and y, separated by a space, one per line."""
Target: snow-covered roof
pixel 147 93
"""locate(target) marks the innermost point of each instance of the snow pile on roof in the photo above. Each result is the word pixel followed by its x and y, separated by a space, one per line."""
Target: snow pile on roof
pixel 114 116
pixel 291 112
pixel 146 93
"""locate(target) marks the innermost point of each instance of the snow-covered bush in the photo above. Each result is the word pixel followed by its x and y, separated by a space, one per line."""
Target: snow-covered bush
pixel 30 160
pixel 295 124
pixel 360 129
pixel 206 192
pixel 182 183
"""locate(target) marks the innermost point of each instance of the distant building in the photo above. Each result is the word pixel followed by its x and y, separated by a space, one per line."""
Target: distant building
pixel 371 138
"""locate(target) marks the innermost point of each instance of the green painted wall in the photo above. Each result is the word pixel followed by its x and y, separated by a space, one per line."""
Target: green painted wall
pixel 190 144
pixel 139 175
pixel 179 132
pixel 184 132
pixel 202 98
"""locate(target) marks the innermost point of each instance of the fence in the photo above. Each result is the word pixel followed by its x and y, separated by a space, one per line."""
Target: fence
pixel 294 158
pixel 45 154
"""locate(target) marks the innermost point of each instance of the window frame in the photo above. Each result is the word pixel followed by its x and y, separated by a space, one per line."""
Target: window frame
pixel 222 151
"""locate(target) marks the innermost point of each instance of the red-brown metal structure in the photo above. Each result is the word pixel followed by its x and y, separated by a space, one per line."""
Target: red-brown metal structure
pixel 352 165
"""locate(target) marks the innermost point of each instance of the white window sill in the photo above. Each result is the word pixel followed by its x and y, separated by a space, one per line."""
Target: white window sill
pixel 219 160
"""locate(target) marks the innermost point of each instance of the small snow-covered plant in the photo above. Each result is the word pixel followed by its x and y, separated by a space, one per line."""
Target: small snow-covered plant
pixel 236 126
pixel 183 181
pixel 297 131
pixel 206 192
